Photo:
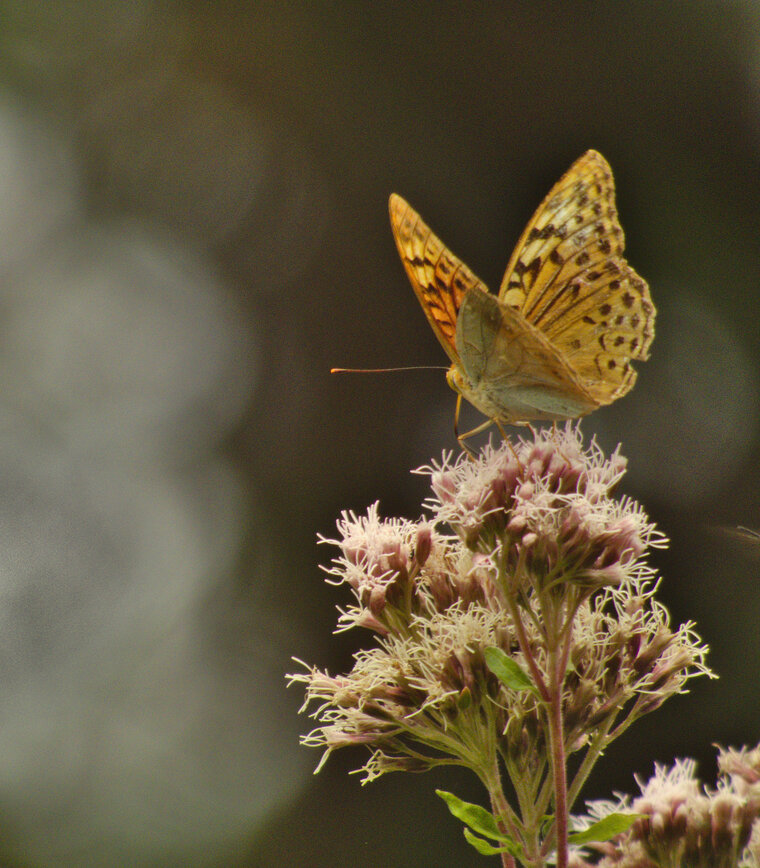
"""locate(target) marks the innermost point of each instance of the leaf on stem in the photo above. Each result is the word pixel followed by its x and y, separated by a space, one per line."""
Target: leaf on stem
pixel 486 849
pixel 603 830
pixel 476 817
pixel 508 671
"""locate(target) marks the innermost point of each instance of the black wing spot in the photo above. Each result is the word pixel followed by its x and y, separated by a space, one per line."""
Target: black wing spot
pixel 533 269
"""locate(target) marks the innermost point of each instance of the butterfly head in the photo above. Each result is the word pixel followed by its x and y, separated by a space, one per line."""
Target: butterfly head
pixel 456 380
pixel 470 391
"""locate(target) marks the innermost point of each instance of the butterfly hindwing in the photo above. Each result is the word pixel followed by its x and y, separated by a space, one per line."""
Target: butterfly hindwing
pixel 518 372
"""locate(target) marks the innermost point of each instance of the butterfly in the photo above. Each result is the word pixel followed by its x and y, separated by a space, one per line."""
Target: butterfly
pixel 558 340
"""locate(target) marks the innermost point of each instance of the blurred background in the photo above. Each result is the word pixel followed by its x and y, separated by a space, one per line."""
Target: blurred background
pixel 193 228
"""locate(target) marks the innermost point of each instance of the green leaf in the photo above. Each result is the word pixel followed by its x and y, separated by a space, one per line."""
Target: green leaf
pixel 477 818
pixel 508 671
pixel 603 830
pixel 486 849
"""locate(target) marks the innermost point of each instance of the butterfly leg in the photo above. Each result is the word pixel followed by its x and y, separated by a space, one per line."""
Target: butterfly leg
pixel 501 430
pixel 462 437
pixel 506 439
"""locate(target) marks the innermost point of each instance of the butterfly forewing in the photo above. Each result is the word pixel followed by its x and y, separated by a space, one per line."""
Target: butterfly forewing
pixel 567 276
pixel 439 278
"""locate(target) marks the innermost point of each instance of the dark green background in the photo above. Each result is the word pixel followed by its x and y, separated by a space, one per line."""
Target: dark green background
pixel 471 111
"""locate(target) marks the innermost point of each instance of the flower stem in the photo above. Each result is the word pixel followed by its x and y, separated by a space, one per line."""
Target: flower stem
pixel 598 743
pixel 499 806
pixel 557 748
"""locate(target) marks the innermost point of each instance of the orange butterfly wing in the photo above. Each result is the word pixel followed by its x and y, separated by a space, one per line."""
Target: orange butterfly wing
pixel 567 277
pixel 439 278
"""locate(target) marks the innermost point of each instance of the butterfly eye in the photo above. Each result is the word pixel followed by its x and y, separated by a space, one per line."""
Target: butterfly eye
pixel 454 379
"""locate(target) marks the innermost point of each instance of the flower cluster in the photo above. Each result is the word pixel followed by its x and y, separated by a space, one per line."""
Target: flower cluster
pixel 549 502
pixel 682 823
pixel 540 562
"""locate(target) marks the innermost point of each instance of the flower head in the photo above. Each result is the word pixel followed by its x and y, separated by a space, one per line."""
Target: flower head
pixel 546 506
pixel 526 551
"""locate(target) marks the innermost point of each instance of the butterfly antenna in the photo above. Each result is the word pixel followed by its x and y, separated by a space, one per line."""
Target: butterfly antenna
pixel 387 370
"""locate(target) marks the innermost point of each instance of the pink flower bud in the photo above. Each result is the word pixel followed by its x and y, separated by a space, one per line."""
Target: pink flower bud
pixel 423 544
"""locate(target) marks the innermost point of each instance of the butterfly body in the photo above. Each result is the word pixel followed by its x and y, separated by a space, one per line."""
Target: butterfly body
pixel 571 314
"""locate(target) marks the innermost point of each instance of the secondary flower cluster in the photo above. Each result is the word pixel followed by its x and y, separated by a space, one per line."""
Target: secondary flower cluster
pixel 685 824
pixel 533 525
pixel 548 501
